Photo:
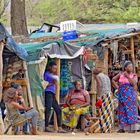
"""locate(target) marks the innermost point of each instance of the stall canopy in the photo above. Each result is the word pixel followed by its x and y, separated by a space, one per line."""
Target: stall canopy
pixel 71 59
pixel 11 45
pixel 53 49
pixel 63 51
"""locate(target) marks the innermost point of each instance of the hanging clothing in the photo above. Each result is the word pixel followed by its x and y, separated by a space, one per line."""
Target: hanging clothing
pixel 114 46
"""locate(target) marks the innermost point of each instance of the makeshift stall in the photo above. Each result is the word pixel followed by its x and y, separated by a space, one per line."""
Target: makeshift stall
pixel 12 59
pixel 110 47
pixel 67 56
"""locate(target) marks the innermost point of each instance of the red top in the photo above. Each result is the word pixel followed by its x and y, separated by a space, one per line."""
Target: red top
pixel 77 97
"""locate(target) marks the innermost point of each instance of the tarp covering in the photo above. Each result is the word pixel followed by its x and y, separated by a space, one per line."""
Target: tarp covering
pixel 54 49
pixel 11 45
pixel 63 51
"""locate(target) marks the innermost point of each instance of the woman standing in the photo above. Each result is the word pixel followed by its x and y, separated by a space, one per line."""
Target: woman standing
pixel 50 99
pixel 127 111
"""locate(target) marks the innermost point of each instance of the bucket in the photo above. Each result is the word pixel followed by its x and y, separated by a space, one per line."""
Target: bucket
pixel 70 35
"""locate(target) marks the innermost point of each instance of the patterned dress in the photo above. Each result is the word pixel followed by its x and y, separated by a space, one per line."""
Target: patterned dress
pixel 71 114
pixel 127 110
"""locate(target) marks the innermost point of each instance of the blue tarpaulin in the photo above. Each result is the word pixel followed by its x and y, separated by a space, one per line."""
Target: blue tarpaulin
pixel 11 45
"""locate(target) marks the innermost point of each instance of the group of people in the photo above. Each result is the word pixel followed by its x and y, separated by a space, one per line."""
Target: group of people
pixel 77 101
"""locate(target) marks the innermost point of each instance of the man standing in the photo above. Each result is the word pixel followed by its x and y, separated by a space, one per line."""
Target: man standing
pixel 103 82
pixel 50 99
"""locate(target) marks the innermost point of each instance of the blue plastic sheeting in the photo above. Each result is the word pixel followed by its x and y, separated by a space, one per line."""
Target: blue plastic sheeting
pixel 19 51
pixel 11 44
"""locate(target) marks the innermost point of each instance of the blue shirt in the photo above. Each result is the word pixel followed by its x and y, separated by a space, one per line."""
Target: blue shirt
pixel 49 78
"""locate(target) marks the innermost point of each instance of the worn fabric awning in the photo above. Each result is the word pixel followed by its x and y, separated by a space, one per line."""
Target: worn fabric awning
pixel 63 51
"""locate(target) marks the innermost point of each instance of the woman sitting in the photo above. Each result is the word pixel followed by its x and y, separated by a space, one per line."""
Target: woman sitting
pixel 78 101
pixel 11 97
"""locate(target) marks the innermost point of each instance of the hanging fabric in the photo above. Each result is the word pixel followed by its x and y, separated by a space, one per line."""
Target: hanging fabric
pixel 114 47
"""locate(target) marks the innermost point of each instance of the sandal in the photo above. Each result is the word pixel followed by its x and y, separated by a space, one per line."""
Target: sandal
pixel 121 131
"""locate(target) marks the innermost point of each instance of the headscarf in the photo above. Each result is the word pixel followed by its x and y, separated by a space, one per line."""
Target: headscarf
pixel 126 63
pixel 9 95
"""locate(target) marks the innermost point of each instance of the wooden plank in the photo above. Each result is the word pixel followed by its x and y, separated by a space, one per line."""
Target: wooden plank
pixel 132 49
pixel 7 84
pixel 57 91
pixel 128 51
pixel 28 84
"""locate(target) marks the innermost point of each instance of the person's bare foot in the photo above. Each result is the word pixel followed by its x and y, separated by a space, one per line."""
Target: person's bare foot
pixel 61 130
pixel 47 129
pixel 34 131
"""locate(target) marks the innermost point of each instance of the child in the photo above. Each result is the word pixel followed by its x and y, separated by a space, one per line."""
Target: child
pixel 86 123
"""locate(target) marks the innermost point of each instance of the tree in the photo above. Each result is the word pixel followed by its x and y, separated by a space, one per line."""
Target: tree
pixel 18 17
pixel 3 6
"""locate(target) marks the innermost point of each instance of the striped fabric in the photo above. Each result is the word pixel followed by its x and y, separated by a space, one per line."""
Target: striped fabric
pixel 106 113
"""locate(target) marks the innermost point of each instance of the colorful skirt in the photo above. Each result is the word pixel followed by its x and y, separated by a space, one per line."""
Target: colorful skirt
pixel 70 115
pixel 127 110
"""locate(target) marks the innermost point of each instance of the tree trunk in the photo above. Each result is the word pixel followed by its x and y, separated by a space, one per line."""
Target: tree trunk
pixel 18 17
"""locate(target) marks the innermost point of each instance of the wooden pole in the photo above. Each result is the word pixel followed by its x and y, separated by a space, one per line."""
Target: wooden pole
pixel 58 83
pixel 57 91
pixel 28 84
pixel 106 61
pixel 132 50
pixel 1 87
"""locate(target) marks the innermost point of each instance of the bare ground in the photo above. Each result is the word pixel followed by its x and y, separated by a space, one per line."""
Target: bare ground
pixel 77 136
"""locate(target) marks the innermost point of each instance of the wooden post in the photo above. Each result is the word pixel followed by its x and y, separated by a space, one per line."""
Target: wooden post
pixel 58 83
pixel 106 61
pixel 28 84
pixel 1 87
pixel 57 91
pixel 132 50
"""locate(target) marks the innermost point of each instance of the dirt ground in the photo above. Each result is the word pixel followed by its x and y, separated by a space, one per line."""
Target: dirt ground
pixel 70 136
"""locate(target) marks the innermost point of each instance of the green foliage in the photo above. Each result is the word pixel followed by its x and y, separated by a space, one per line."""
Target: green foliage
pixel 85 11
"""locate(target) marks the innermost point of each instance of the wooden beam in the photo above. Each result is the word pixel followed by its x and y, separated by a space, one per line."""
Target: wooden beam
pixel 58 83
pixel 132 49
pixel 106 61
pixel 138 36
pixel 128 51
pixel 1 87
pixel 57 91
pixel 1 68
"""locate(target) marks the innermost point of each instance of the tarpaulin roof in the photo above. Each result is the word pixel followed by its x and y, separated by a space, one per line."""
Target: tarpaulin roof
pixel 54 49
pixel 11 45
pixel 62 51
pixel 87 38
pixel 93 36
